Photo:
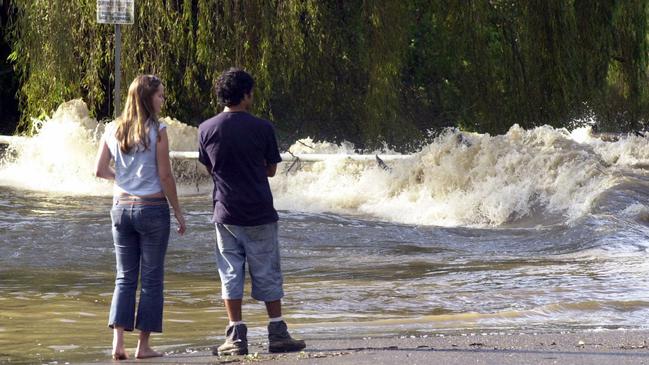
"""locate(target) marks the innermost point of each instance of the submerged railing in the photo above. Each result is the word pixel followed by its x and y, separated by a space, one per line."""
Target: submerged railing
pixel 315 157
pixel 305 157
pixel 10 139
pixel 293 161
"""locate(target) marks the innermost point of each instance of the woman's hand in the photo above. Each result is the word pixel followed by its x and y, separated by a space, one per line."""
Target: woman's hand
pixel 182 226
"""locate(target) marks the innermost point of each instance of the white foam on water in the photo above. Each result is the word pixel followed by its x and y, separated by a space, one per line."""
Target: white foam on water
pixel 627 151
pixel 62 348
pixel 60 157
pixel 636 211
pixel 458 179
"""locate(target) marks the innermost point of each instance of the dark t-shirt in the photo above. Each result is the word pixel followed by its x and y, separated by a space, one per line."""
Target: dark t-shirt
pixel 236 147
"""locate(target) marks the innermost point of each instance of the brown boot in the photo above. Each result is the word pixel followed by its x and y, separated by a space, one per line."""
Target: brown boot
pixel 236 341
pixel 280 341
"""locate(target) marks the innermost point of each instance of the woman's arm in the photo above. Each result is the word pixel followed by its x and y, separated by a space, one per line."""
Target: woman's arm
pixel 102 164
pixel 167 178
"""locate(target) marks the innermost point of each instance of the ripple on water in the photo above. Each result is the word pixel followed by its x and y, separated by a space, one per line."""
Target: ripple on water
pixel 62 348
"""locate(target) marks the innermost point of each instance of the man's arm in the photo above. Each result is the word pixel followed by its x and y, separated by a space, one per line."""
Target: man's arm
pixel 202 155
pixel 271 155
pixel 271 169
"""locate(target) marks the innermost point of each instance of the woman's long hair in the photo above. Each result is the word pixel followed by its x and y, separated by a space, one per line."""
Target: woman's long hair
pixel 132 127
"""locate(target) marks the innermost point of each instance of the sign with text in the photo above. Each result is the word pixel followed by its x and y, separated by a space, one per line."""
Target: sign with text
pixel 115 11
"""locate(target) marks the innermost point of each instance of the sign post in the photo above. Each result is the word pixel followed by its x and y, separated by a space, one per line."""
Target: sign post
pixel 116 12
pixel 118 70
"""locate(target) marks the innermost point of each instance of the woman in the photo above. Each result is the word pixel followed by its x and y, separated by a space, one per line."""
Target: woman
pixel 144 186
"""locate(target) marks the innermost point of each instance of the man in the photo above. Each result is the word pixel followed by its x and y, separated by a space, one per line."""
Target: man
pixel 240 151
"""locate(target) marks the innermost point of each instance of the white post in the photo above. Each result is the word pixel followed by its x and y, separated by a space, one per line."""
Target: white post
pixel 116 12
pixel 118 70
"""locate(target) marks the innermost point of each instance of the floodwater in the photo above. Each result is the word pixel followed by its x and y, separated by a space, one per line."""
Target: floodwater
pixel 540 230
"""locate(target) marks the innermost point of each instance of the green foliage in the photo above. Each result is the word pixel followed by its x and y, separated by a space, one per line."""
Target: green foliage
pixel 362 70
pixel 59 53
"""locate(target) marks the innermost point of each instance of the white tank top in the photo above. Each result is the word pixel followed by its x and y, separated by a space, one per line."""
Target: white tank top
pixel 136 172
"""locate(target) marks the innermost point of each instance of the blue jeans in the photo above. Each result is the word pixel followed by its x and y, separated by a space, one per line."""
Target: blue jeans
pixel 141 236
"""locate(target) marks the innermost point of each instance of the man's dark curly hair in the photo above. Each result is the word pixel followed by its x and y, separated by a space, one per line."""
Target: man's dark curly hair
pixel 231 86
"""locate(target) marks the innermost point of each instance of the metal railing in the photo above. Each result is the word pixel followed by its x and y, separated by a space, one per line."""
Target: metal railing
pixel 304 157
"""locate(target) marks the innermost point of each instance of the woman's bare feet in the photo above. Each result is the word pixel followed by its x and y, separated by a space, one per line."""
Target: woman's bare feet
pixel 120 356
pixel 142 353
pixel 119 352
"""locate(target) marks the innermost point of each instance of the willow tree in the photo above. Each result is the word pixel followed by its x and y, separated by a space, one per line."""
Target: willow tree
pixel 8 80
pixel 363 70
pixel 59 54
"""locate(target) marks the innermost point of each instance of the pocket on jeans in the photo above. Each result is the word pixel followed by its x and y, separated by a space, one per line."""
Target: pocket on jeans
pixel 260 233
pixel 261 240
pixel 158 213
pixel 116 216
pixel 156 218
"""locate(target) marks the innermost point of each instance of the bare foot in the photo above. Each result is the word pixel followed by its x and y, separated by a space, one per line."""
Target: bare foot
pixel 119 352
pixel 147 353
pixel 120 355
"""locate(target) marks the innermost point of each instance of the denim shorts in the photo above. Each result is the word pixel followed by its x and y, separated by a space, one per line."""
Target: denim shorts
pixel 256 245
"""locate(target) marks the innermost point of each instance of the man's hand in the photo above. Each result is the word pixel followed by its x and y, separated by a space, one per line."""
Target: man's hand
pixel 271 170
